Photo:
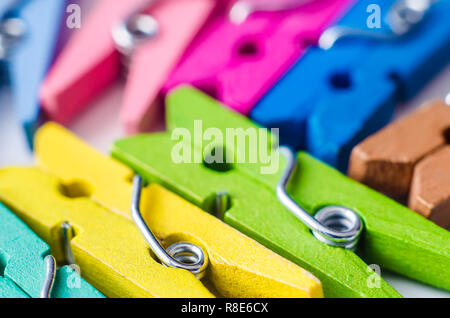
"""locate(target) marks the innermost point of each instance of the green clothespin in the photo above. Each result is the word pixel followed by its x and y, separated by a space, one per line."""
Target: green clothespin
pixel 23 268
pixel 393 236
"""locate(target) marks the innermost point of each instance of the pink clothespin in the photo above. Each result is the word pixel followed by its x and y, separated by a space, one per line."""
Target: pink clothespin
pixel 149 36
pixel 242 52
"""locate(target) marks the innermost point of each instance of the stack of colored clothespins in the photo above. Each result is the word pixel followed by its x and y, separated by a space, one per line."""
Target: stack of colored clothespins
pixel 240 121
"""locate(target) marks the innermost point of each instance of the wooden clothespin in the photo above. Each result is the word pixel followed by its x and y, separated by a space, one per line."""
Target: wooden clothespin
pixel 108 248
pixel 248 46
pixel 94 180
pixel 24 269
pixel 149 36
pixel 346 89
pixel 410 157
pixel 393 236
pixel 27 48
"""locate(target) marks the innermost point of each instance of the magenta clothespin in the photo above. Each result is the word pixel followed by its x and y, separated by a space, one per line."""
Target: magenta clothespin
pixel 239 56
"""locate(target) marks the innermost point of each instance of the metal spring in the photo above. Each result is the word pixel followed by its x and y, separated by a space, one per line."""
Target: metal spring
pixel 50 272
pixel 136 29
pixel 179 255
pixel 241 9
pixel 50 263
pixel 12 31
pixel 334 225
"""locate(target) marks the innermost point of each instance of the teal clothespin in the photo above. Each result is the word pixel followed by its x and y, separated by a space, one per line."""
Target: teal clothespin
pixel 23 268
pixel 393 236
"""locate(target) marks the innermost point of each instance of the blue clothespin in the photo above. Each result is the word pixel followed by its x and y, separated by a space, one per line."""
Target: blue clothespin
pixel 29 34
pixel 24 265
pixel 345 90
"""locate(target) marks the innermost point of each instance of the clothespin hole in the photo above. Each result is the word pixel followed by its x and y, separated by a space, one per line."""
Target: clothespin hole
pixel 76 189
pixel 129 178
pixel 447 135
pixel 218 204
pixel 218 158
pixel 248 49
pixel 209 89
pixel 341 80
pixel 306 41
pixel 153 255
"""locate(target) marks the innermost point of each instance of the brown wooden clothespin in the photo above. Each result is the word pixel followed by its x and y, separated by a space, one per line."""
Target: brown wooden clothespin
pixel 409 160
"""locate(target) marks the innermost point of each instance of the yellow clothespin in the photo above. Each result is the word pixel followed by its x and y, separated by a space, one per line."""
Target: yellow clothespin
pixel 109 249
pixel 238 266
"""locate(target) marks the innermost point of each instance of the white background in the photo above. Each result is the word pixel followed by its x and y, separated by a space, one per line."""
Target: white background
pixel 100 126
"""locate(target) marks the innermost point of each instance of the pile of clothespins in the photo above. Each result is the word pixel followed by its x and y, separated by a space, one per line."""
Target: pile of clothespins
pixel 279 173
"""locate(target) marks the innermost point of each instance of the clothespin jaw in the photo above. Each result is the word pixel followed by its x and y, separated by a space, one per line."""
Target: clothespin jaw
pixel 23 254
pixel 250 271
pixel 31 56
pixel 238 63
pixel 91 61
pixel 409 158
pixel 391 231
pixel 354 85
